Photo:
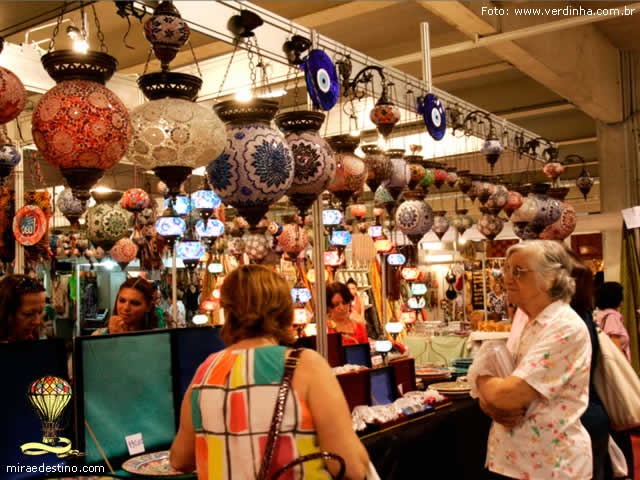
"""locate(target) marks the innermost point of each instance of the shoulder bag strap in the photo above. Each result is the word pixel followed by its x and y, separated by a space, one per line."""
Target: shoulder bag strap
pixel 278 412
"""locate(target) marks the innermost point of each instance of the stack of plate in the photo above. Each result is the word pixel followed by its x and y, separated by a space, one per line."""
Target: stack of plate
pixel 452 390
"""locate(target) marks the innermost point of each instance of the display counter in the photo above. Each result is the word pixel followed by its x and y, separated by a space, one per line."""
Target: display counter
pixel 450 442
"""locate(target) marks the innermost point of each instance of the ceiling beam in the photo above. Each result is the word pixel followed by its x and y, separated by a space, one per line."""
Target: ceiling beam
pixel 342 12
pixel 586 74
pixel 471 72
pixel 536 110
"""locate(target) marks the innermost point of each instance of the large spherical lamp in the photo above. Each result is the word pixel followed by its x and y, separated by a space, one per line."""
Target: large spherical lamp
pixel 13 95
pixel 80 126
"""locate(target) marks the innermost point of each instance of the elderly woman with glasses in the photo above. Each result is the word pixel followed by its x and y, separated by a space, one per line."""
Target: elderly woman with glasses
pixel 537 433
pixel 22 301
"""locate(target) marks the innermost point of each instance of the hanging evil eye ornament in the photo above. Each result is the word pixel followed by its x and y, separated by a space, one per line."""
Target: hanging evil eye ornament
pixel 322 80
pixel 434 115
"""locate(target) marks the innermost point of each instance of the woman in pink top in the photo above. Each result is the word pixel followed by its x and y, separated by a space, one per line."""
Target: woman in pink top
pixel 608 300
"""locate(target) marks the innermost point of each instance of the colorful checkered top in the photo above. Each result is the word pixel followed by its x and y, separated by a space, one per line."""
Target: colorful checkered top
pixel 234 394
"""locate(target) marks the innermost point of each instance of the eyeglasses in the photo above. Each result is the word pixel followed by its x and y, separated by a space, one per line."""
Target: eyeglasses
pixel 516 271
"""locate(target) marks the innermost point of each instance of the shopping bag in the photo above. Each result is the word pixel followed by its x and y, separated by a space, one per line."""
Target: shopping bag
pixel 617 385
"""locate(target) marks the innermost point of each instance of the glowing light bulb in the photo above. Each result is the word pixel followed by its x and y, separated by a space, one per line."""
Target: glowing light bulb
pixel 244 95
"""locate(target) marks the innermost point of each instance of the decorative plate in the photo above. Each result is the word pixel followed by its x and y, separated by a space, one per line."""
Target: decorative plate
pixel 432 372
pixel 322 80
pixel 152 464
pixel 452 389
pixel 29 225
pixel 434 116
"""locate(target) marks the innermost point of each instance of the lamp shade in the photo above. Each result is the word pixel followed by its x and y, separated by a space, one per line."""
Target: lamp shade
pixel 396 259
pixel 375 231
pixel 383 346
pixel 190 250
pixel 215 268
pixel 416 303
pixel 200 319
pixel 410 273
pixel 340 238
pixel 13 95
pixel 300 295
pixel 170 226
pixel 70 206
pixel 107 222
pixel 383 244
pixel 394 327
pixel 332 217
pixel 333 258
pixel 408 318
pixel 210 228
pixel 418 289
pixel 256 246
pixel 293 239
pixel 311 275
pixel 181 204
pixel 205 199
pixel 135 200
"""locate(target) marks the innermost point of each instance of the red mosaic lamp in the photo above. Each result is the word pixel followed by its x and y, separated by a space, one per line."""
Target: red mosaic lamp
pixel 80 126
pixel 13 95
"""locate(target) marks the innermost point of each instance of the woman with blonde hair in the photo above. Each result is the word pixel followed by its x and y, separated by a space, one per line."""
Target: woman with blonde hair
pixel 226 412
pixel 537 432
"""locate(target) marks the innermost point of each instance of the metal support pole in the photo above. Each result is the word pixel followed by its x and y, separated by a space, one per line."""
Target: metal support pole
pixel 426 54
pixel 77 299
pixel 484 283
pixel 174 288
pixel 383 280
pixel 18 181
pixel 320 313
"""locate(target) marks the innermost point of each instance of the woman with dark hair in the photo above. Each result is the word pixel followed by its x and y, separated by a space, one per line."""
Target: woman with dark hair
pixel 341 318
pixel 357 305
pixel 226 412
pixel 22 301
pixel 595 418
pixel 608 300
pixel 134 309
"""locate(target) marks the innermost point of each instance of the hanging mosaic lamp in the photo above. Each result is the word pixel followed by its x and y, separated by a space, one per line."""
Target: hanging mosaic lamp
pixel 463 184
pixel 107 221
pixel 236 247
pixel 172 134
pixel 514 201
pixel 474 190
pixel 167 32
pixel 275 229
pixel 257 245
pixel 584 182
pixel 400 173
pixel 526 212
pixel 9 155
pixel 170 226
pixel 359 210
pixel 485 189
pixel 293 239
pixel 351 171
pixel 564 226
pixel 206 201
pixel 461 221
pixel 440 224
pixel 452 176
pixel 416 169
pixel 439 174
pixel 492 148
pixel 190 252
pixel 256 167
pixel 385 114
pixel 123 252
pixel 414 217
pixel 428 178
pixel 553 170
pixel 314 163
pixel 135 200
pixel 498 199
pixel 383 197
pixel 80 126
pixel 71 207
pixel 489 225
pixel 378 164
pixel 208 230
pixel 13 95
pixel 524 231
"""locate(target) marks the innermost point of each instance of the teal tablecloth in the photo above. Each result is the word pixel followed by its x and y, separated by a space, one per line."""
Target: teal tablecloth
pixel 441 350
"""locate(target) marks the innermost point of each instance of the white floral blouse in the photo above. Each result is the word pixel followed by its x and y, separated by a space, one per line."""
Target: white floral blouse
pixel 553 355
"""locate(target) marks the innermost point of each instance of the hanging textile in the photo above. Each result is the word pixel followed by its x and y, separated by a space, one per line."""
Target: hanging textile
pixel 630 280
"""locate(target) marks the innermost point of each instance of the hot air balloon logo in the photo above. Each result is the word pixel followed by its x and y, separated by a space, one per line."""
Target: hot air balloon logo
pixel 49 396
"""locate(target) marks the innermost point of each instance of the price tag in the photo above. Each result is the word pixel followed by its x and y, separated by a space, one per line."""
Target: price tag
pixel 134 443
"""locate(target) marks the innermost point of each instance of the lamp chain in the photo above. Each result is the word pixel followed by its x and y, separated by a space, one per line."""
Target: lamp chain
pixel 52 42
pixel 194 58
pixel 226 72
pixel 252 66
pixel 103 46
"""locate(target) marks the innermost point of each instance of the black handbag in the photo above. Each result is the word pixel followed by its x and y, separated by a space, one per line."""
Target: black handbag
pixel 276 422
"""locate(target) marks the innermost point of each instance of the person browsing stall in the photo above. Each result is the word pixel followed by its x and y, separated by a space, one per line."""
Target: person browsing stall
pixel 341 318
pixel 134 309
pixel 609 319
pixel 22 302
pixel 227 409
pixel 536 431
